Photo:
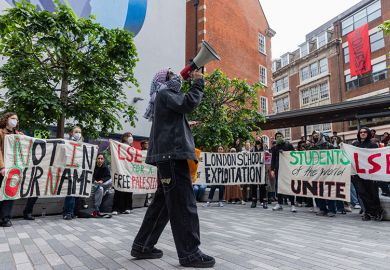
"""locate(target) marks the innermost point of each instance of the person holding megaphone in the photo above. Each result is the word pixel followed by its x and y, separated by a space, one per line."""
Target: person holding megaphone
pixel 171 144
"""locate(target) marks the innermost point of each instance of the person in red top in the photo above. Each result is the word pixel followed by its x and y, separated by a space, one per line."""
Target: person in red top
pixel 9 124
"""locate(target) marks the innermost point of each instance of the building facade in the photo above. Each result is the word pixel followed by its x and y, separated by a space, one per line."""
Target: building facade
pixel 239 32
pixel 317 73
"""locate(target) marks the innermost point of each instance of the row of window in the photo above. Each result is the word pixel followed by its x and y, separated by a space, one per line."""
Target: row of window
pixel 376 42
pixel 379 72
pixel 324 128
pixel 361 17
pixel 314 69
pixel 280 85
pixel 312 95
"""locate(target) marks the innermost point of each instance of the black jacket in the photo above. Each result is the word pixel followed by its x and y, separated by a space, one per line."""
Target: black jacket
pixel 170 136
pixel 101 173
pixel 367 143
pixel 275 150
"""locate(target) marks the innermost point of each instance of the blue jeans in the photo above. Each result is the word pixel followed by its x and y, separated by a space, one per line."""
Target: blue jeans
pixel 354 196
pixel 220 195
pixel 199 191
pixel 69 205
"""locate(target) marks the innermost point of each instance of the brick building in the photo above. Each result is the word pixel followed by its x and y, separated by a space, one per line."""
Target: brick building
pixel 317 73
pixel 239 32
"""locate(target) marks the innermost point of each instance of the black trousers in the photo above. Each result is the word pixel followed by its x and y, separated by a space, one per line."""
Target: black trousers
pixel 282 196
pixel 369 194
pixel 174 201
pixel 122 201
pixel 262 193
pixel 5 206
pixel 28 209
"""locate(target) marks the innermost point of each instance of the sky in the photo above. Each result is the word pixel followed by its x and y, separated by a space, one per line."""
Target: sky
pixel 293 19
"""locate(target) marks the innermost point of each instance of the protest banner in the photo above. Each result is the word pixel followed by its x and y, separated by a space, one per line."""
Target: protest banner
pixel 369 163
pixel 46 168
pixel 129 172
pixel 324 174
pixel 231 168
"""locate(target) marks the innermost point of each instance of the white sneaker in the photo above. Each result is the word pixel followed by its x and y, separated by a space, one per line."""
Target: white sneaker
pixel 114 213
pixel 85 206
pixel 243 202
pixel 293 209
pixel 207 204
pixel 357 206
pixel 277 207
pixel 127 211
pixel 220 204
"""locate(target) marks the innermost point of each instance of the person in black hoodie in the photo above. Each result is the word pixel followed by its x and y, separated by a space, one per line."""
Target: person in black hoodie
pixel 367 189
pixel 259 147
pixel 280 146
pixel 102 181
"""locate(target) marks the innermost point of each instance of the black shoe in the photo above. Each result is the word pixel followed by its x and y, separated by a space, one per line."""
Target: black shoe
pixel 254 203
pixel 366 217
pixel 203 261
pixel 153 254
pixel 380 215
pixel 28 217
pixel 68 217
pixel 6 223
pixel 265 205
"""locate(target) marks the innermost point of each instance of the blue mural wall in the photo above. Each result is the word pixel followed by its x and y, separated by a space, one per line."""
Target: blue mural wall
pixel 126 14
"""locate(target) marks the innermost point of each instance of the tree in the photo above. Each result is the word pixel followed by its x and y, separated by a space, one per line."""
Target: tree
pixel 61 68
pixel 229 110
pixel 386 27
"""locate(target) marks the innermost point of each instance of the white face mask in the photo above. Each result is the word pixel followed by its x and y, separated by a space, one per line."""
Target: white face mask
pixel 12 122
pixel 130 140
pixel 77 136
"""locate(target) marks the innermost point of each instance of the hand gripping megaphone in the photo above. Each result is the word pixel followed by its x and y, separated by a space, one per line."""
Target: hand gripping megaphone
pixel 205 55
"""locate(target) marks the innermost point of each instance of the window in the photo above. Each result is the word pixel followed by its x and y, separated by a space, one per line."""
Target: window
pixel 265 140
pixel 346 55
pixel 285 60
pixel 313 95
pixel 264 105
pixel 263 75
pixel 324 128
pixel 304 49
pixel 322 39
pixel 262 45
pixel 379 72
pixel 323 65
pixel 376 42
pixel 367 14
pixel 281 104
pixel 280 85
pixel 286 133
pixel 314 69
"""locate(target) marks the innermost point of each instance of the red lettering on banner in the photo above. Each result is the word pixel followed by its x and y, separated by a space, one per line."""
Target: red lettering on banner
pixel 356 158
pixel 9 190
pixel 375 166
pixel 137 156
pixel 129 154
pixel 119 153
pixel 75 145
pixel 359 51
pixel 388 164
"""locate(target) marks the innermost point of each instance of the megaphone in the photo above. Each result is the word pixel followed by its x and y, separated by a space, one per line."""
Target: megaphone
pixel 205 55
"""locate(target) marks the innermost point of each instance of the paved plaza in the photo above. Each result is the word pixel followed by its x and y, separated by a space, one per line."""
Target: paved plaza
pixel 238 236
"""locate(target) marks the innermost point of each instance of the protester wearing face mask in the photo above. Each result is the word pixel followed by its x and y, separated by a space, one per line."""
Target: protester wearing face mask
pixel 280 146
pixel 123 201
pixel 70 201
pixel 8 125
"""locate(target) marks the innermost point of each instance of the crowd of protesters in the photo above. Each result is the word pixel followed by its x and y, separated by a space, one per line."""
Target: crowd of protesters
pixel 364 193
pixel 102 183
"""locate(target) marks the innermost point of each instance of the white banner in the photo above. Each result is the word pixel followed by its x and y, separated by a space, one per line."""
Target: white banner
pixel 369 163
pixel 231 168
pixel 129 172
pixel 324 174
pixel 46 168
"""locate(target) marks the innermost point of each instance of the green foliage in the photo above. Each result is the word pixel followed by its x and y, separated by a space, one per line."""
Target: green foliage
pixel 229 110
pixel 386 27
pixel 62 68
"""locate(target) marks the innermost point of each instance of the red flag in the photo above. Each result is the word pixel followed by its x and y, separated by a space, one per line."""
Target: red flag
pixel 359 51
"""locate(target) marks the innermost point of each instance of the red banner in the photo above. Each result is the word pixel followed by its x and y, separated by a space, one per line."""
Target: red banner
pixel 359 51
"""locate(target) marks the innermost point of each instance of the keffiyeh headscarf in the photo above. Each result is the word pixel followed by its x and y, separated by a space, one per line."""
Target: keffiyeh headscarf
pixel 159 82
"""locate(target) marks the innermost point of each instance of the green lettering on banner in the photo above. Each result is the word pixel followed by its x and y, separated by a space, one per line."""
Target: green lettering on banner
pixel 292 154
